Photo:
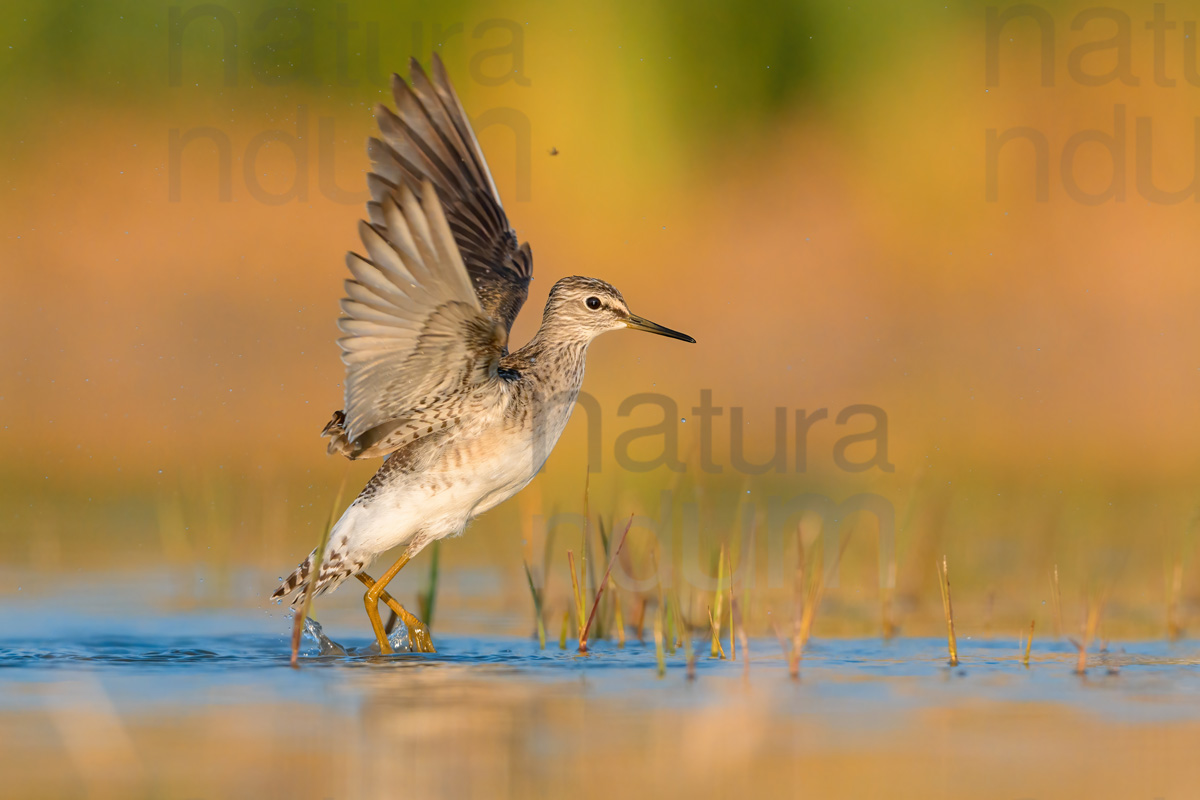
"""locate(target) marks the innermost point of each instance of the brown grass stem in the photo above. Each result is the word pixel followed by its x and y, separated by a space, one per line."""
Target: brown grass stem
pixel 1090 625
pixel 583 634
pixel 719 649
pixel 659 655
pixel 314 577
pixel 735 623
pixel 789 651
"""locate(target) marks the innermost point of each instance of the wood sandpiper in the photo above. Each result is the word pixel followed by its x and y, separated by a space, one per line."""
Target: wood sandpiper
pixel 462 424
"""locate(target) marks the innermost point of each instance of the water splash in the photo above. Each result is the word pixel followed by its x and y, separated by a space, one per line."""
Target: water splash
pixel 398 640
pixel 316 643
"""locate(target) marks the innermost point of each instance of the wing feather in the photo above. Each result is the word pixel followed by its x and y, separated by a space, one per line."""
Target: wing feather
pixel 415 331
pixel 429 138
pixel 428 308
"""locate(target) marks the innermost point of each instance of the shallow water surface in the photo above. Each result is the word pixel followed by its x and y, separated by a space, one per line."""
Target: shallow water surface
pixel 205 705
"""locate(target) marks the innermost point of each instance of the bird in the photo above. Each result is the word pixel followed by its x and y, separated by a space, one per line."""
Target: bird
pixel 462 423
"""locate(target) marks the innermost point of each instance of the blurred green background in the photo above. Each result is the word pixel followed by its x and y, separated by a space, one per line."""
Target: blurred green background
pixel 801 186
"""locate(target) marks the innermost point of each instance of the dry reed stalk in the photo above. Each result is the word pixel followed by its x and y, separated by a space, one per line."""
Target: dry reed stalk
pixel 948 609
pixel 605 619
pixel 586 578
pixel 799 591
pixel 1029 644
pixel 689 653
pixel 735 622
pixel 658 641
pixel 716 635
pixel 587 481
pixel 685 636
pixel 639 619
pixel 315 573
pixel 1091 623
pixel 812 600
pixel 714 614
pixel 813 588
pixel 732 646
pixel 672 628
pixel 583 634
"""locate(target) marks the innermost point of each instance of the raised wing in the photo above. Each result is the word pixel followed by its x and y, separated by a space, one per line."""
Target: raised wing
pixel 429 138
pixel 417 338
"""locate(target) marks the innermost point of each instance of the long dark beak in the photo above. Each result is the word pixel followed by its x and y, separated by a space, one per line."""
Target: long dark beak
pixel 641 324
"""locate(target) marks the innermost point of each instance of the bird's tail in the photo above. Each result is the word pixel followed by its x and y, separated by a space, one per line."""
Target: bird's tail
pixel 341 560
pixel 335 431
pixel 295 586
pixel 334 569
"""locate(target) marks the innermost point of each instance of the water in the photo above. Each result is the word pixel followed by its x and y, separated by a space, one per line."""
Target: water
pixel 170 653
pixel 204 704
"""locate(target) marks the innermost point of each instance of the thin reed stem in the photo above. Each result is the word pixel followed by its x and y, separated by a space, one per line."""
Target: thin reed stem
pixel 658 642
pixel 948 609
pixel 576 591
pixel 1029 643
pixel 537 607
pixel 314 577
pixel 583 634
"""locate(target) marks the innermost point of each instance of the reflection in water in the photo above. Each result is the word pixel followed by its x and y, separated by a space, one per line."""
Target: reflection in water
pixel 152 712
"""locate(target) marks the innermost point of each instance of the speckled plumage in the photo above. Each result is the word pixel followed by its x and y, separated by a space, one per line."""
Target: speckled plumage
pixel 462 423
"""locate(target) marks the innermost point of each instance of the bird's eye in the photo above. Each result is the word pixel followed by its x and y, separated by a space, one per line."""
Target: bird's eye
pixel 593 303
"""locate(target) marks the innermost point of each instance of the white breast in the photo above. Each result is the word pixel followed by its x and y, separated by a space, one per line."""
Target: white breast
pixel 473 474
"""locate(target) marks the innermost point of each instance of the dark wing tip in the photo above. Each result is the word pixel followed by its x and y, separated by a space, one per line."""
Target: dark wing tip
pixel 428 120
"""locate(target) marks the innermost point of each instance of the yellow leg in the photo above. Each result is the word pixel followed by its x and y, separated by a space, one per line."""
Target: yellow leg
pixel 418 635
pixel 373 614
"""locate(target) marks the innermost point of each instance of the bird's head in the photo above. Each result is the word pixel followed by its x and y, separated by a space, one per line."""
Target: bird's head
pixel 588 307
